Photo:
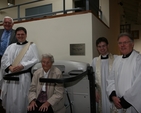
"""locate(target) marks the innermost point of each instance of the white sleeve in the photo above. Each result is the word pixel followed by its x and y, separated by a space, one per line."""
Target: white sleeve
pixel 111 80
pixel 93 64
pixel 132 95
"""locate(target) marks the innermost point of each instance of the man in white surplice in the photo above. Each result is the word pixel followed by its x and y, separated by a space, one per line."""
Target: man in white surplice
pixel 124 81
pixel 102 67
pixel 14 93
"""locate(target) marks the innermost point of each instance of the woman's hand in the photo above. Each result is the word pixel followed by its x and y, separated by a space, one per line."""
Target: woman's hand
pixel 44 106
pixel 32 106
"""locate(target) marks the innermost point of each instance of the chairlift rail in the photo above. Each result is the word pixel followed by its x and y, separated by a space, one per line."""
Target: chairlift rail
pixel 79 75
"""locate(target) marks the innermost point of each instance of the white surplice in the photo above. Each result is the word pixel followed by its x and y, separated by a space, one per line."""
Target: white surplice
pixel 14 93
pixel 125 79
pixel 104 63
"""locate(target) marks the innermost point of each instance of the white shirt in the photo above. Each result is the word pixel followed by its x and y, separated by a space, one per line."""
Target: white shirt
pixel 45 76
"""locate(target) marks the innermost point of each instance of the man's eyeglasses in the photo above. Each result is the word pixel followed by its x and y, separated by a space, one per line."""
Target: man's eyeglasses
pixel 124 43
pixel 8 23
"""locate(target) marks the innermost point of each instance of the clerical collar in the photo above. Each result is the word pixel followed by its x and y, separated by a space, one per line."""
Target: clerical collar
pixel 126 56
pixel 22 43
pixel 105 56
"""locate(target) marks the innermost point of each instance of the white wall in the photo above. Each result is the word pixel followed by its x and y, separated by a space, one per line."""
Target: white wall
pixel 55 35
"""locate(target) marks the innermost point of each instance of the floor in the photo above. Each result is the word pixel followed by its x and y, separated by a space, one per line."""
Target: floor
pixel 2 110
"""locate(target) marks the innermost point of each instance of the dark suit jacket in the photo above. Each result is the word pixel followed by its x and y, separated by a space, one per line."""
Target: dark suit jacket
pixel 12 38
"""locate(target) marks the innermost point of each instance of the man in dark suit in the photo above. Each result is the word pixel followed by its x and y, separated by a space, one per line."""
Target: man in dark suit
pixel 7 24
pixel 7 37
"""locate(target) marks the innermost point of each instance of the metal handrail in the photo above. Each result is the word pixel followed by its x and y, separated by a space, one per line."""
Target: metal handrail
pixel 64 11
pixel 18 7
pixel 21 4
pixel 51 13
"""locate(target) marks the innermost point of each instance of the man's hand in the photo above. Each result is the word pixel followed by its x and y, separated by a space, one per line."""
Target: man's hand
pixel 32 106
pixel 97 96
pixel 116 102
pixel 44 106
pixel 16 68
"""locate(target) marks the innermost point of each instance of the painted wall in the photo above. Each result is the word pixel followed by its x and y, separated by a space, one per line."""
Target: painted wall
pixel 55 35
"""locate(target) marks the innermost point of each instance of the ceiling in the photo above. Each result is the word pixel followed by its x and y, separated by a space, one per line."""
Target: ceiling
pixel 131 11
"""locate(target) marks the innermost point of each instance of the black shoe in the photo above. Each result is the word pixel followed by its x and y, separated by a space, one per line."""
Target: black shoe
pixel 0 102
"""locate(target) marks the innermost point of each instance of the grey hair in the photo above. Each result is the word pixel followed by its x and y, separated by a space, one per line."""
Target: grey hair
pixel 9 18
pixel 48 55
pixel 126 34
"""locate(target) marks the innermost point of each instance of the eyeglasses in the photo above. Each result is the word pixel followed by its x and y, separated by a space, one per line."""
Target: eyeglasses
pixel 124 43
pixel 8 23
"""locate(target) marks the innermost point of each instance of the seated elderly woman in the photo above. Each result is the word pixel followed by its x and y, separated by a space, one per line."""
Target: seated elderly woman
pixel 46 97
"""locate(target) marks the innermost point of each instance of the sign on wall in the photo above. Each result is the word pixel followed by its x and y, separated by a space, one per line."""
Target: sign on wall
pixel 77 49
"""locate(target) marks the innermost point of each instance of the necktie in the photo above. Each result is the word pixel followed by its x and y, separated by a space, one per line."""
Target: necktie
pixel 4 42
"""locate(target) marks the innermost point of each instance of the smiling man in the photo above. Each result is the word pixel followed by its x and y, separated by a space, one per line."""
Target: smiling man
pixel 102 67
pixel 124 82
pixel 7 35
pixel 14 94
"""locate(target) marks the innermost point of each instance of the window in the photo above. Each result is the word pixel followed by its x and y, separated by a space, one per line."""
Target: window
pixel 38 10
pixel 125 28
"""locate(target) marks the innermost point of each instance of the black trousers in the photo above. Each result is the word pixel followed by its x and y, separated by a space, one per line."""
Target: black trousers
pixel 50 110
